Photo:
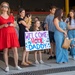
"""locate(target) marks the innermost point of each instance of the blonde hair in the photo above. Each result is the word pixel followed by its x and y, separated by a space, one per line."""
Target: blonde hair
pixel 8 12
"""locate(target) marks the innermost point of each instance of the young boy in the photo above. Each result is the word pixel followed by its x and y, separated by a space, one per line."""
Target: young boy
pixel 49 24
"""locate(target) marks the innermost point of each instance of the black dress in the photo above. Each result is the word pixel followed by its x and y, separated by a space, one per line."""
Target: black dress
pixel 22 31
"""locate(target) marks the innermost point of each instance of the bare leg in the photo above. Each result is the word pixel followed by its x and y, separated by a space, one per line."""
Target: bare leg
pixel 36 59
pixel 51 50
pixel 54 49
pixel 35 55
pixel 15 56
pixel 40 54
pixel 24 58
pixel 6 56
pixel 27 56
pixel 24 55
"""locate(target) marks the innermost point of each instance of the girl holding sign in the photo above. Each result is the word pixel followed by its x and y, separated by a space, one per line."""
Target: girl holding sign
pixel 37 27
pixel 22 29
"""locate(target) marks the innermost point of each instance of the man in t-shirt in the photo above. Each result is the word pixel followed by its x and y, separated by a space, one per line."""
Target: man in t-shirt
pixel 49 24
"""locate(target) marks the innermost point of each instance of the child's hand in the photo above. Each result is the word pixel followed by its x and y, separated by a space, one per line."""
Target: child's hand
pixel 27 29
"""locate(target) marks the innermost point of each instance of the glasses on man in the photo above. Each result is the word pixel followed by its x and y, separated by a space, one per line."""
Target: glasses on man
pixel 5 6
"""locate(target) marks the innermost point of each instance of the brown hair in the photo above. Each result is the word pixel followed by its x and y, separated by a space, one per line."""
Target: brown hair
pixel 52 7
pixel 34 27
pixel 1 5
pixel 19 11
pixel 70 16
pixel 58 13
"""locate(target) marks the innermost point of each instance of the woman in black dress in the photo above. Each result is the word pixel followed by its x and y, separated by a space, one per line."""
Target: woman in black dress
pixel 22 29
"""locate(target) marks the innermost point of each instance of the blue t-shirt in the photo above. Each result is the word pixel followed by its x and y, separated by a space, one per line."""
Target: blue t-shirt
pixel 49 21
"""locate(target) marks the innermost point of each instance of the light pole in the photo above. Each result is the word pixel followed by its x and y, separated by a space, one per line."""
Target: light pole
pixel 67 7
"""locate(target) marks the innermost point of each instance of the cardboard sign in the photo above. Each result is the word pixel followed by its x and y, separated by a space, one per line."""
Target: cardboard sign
pixel 37 40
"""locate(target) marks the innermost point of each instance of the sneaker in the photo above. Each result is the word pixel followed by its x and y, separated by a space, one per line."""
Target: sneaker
pixel 36 62
pixel 7 69
pixel 41 62
pixel 18 68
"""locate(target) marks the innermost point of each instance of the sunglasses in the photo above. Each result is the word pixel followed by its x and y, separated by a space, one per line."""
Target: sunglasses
pixel 5 6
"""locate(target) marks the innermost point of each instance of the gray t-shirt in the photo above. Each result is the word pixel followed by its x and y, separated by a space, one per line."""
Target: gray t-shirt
pixel 49 21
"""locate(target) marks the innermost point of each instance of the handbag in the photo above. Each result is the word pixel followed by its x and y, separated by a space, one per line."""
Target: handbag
pixel 66 43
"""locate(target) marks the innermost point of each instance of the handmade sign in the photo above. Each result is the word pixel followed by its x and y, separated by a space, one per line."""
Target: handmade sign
pixel 37 40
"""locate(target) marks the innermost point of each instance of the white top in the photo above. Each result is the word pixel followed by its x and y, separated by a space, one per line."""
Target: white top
pixel 72 22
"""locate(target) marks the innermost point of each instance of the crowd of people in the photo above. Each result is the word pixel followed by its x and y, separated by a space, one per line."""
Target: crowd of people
pixel 54 23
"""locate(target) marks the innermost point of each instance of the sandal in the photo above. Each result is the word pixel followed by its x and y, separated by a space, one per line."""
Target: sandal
pixel 24 63
pixel 29 62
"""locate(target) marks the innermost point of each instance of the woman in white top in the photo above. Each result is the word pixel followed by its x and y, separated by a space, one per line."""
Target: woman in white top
pixel 71 31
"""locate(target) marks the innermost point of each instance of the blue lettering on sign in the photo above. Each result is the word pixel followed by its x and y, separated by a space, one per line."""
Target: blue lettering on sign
pixel 36 46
